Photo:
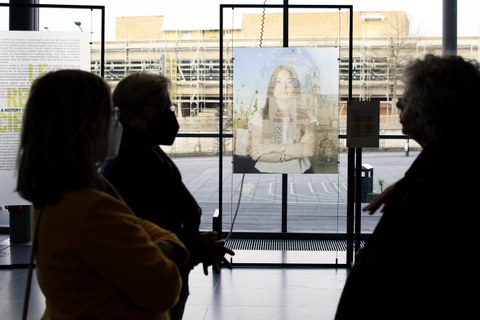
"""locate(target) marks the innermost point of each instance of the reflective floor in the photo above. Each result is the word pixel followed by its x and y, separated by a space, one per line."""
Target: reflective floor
pixel 245 292
pixel 264 284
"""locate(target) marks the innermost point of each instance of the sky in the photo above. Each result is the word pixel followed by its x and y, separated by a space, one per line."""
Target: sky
pixel 425 15
pixel 256 67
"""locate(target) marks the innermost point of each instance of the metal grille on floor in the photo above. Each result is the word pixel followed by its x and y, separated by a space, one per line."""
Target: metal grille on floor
pixel 287 244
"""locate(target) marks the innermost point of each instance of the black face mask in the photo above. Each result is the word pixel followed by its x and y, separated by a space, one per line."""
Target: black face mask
pixel 162 128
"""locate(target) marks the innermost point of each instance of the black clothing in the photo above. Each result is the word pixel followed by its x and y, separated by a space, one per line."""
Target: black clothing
pixel 151 184
pixel 414 265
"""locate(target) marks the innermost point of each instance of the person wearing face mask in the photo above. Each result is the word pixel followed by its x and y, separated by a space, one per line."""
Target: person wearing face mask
pixel 413 264
pixel 94 258
pixel 148 179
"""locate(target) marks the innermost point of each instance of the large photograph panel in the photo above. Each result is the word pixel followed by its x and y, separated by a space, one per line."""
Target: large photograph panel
pixel 285 111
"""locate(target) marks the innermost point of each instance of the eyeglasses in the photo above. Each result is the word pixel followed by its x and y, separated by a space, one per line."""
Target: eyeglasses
pixel 162 107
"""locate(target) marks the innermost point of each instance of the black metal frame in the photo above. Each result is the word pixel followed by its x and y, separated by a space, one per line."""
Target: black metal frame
pixel 351 152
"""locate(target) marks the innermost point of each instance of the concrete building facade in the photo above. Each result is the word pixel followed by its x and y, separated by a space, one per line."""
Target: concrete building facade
pixel 188 52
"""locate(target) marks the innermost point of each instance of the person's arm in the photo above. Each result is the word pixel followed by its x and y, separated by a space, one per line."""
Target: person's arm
pixel 117 246
pixel 273 152
pixel 167 241
pixel 263 150
pixel 379 201
pixel 213 251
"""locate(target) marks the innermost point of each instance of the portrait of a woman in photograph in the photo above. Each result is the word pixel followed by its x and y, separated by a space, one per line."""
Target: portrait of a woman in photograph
pixel 290 128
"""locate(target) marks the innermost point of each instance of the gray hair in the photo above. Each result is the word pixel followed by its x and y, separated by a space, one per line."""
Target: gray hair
pixel 132 93
pixel 440 92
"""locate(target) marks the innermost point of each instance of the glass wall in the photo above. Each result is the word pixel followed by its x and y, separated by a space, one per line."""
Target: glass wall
pixel 265 203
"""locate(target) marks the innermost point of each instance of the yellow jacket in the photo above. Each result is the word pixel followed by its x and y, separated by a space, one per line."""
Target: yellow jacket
pixel 96 260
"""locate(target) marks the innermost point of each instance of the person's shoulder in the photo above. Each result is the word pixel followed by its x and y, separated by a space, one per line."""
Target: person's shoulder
pixel 129 166
pixel 121 160
pixel 86 204
pixel 87 197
